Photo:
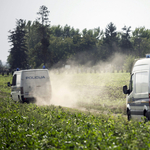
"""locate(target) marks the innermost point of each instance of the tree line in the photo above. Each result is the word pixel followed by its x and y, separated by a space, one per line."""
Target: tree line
pixel 34 44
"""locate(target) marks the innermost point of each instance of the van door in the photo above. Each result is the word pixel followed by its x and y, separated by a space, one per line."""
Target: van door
pixel 141 91
pixel 42 84
pixel 28 84
pixel 131 100
pixel 36 84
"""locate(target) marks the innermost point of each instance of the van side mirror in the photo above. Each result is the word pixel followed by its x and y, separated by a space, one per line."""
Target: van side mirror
pixel 125 91
pixel 8 83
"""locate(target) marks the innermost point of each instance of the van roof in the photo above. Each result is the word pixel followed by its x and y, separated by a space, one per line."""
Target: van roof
pixel 143 61
pixel 32 70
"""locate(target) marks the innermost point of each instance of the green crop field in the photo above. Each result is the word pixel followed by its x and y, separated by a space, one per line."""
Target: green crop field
pixel 102 124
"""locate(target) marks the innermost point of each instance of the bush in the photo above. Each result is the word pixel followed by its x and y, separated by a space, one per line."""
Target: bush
pixel 129 63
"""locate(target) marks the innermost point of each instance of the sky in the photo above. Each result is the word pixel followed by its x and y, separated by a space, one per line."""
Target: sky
pixel 79 14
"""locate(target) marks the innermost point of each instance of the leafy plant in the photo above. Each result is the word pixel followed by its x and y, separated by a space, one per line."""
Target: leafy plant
pixel 28 126
pixel 129 63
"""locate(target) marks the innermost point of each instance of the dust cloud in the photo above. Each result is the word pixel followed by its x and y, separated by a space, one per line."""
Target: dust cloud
pixel 64 93
pixel 42 93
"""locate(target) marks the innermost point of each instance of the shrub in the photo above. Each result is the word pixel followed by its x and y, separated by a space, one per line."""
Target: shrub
pixel 129 63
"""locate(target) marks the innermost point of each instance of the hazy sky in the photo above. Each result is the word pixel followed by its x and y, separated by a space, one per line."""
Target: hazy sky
pixel 79 14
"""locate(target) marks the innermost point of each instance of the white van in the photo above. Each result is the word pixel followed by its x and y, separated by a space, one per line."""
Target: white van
pixel 138 98
pixel 29 85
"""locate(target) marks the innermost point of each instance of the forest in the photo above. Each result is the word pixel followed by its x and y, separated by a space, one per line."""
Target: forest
pixel 37 43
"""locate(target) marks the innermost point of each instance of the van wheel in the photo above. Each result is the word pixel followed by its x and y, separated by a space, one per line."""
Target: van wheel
pixel 128 114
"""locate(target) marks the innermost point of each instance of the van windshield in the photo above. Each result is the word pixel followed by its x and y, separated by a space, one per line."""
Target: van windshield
pixel 14 80
pixel 141 80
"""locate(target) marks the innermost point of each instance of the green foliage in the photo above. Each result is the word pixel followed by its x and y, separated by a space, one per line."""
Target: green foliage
pixel 140 40
pixel 129 62
pixel 1 65
pixel 28 126
pixel 44 32
pixel 125 42
pixel 110 39
pixel 4 89
pixel 18 52
pixel 57 45
pixel 43 13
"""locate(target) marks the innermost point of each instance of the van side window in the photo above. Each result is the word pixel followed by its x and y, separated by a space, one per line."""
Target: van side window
pixel 18 79
pixel 14 80
pixel 131 83
pixel 141 80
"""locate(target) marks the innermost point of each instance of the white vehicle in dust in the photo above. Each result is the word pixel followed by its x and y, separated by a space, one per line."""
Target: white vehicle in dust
pixel 29 85
pixel 138 94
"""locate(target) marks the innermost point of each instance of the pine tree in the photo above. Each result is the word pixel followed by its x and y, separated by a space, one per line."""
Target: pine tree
pixel 44 31
pixel 18 52
pixel 110 39
pixel 125 42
